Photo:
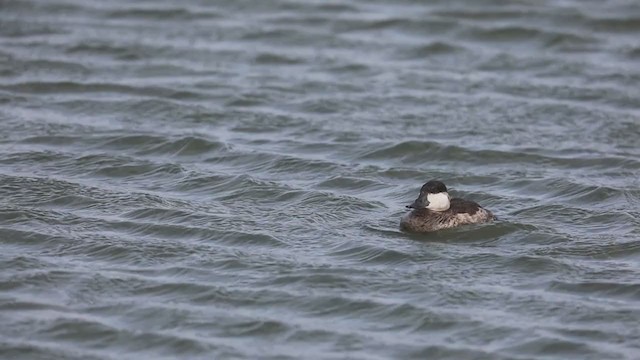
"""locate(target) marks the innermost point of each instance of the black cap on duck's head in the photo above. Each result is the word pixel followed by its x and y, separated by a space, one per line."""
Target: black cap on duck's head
pixel 433 196
pixel 433 187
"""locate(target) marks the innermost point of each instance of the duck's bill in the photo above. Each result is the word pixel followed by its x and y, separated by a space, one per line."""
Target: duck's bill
pixel 416 205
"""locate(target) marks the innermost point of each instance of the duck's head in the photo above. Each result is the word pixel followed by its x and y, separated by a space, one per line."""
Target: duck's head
pixel 433 196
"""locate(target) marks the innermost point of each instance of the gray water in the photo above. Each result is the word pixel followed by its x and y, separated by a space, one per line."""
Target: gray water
pixel 224 179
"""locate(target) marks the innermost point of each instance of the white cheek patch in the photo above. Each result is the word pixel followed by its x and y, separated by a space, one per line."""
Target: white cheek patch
pixel 438 202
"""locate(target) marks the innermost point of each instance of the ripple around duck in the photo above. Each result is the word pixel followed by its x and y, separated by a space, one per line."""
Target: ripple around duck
pixel 479 234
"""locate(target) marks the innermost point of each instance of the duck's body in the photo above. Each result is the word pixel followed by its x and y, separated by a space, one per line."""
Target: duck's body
pixel 435 210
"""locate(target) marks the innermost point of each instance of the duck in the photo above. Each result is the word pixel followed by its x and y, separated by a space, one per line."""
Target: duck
pixel 435 210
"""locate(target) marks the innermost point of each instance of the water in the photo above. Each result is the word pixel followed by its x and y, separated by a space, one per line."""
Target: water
pixel 225 179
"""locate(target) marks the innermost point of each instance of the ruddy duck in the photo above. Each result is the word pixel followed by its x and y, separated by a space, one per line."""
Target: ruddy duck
pixel 434 209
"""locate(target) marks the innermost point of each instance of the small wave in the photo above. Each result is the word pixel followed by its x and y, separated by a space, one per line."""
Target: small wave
pixel 276 59
pixel 399 24
pixel 160 145
pixel 371 254
pixel 345 183
pixel 119 52
pixel 162 14
pixel 417 152
pixel 438 48
pixel 552 345
pixel 630 291
pixel 622 24
pixel 137 169
pixel 71 87
pixel 505 34
pixel 26 29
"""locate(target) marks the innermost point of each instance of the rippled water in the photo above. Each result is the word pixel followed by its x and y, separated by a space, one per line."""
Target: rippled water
pixel 224 179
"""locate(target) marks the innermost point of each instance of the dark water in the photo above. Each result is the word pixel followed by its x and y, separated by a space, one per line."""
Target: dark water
pixel 224 179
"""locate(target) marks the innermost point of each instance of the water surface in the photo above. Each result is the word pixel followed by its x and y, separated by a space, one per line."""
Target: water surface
pixel 224 179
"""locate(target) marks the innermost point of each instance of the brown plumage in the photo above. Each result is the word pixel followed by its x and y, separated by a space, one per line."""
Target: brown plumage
pixel 460 212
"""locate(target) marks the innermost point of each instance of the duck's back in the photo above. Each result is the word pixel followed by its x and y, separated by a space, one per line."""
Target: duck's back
pixel 460 212
pixel 462 206
pixel 470 210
